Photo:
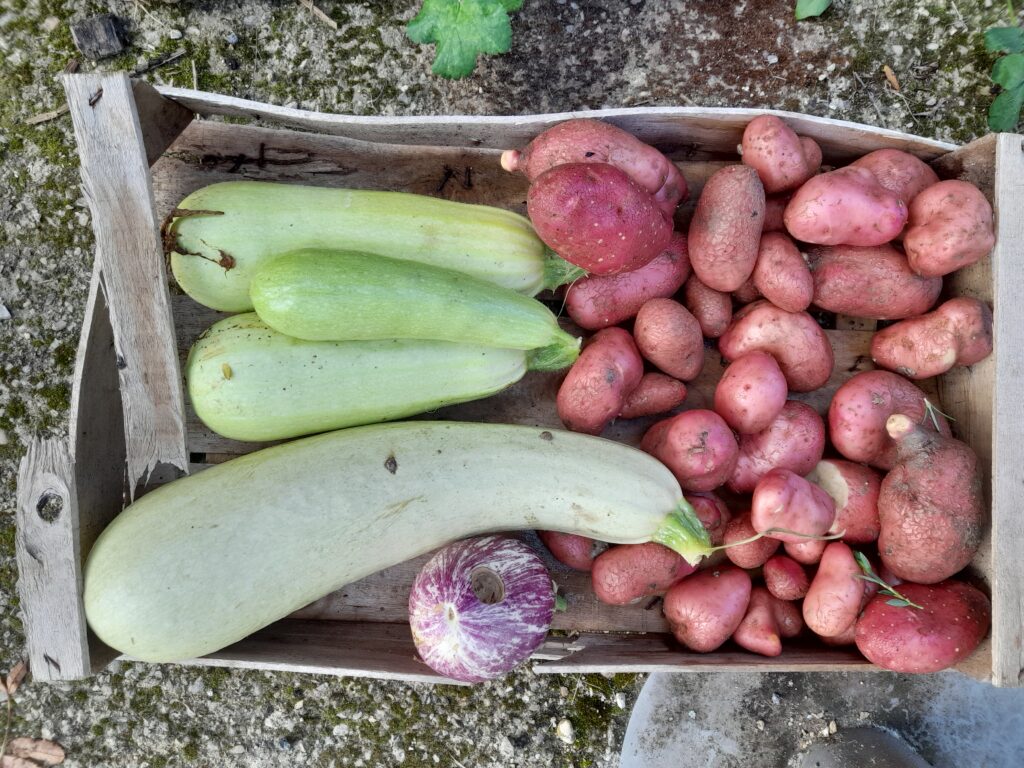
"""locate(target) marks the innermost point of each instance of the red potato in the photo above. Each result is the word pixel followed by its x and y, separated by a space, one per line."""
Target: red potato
pixel 959 332
pixel 602 301
pixel 930 505
pixel 753 554
pixel 747 292
pixel 713 309
pixel 794 339
pixel 697 446
pixel 835 595
pixel 593 141
pixel 759 631
pixel 847 637
pixel 656 393
pixel 845 207
pixel 950 227
pixel 782 159
pixel 712 513
pixel 670 337
pixel 596 217
pixel 875 283
pixel 726 228
pixel 628 573
pixel 854 488
pixel 608 369
pixel 785 578
pixel 952 622
pixel 805 552
pixel 899 172
pixel 751 393
pixel 787 616
pixel 781 275
pixel 795 440
pixel 859 409
pixel 774 210
pixel 577 552
pixel 705 609
pixel 784 500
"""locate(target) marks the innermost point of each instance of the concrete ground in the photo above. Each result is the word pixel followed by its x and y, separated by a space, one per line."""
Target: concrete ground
pixel 566 55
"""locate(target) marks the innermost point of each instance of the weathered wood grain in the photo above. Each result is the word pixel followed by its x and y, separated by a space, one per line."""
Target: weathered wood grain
pixel 48 551
pixel 161 120
pixel 116 183
pixel 1006 369
pixel 672 129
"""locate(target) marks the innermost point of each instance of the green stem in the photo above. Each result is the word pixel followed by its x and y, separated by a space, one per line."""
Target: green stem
pixel 554 357
pixel 770 531
pixel 683 532
pixel 558 271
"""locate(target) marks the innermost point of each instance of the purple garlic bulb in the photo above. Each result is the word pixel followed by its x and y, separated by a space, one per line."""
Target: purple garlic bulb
pixel 480 607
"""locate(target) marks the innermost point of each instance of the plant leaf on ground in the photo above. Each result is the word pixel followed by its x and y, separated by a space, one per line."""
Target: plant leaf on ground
pixel 807 8
pixel 461 30
pixel 1008 74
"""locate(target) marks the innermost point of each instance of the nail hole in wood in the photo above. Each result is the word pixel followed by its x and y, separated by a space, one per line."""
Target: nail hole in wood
pixel 49 506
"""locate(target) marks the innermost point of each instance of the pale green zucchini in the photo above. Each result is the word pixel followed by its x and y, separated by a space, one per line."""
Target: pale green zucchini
pixel 220 235
pixel 249 382
pixel 344 295
pixel 202 562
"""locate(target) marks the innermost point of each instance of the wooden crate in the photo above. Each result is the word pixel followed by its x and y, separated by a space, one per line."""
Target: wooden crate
pixel 143 150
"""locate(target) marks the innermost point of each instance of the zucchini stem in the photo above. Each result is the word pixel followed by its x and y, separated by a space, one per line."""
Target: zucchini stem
pixel 558 271
pixel 554 357
pixel 683 532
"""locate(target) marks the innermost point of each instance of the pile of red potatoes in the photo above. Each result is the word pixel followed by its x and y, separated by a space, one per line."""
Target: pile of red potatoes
pixel 859 547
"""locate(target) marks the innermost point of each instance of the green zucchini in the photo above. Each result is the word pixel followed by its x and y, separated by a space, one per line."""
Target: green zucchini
pixel 348 296
pixel 220 235
pixel 203 561
pixel 249 382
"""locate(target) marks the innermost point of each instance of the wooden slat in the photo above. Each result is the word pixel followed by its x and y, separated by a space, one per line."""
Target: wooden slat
pixel 115 177
pixel 660 653
pixel 383 651
pixel 49 563
pixel 160 119
pixel 1008 416
pixel 670 128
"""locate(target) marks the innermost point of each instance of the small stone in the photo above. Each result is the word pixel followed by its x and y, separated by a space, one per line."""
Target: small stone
pixel 563 691
pixel 283 744
pixel 238 749
pixel 196 686
pixel 771 58
pixel 832 726
pixel 565 732
pixel 341 729
pixel 863 715
pixel 5 313
pixel 505 748
pixel 50 23
pixel 3 437
pixel 231 38
pixel 759 725
pixel 299 704
pixel 692 715
pixel 775 698
pixel 175 34
pixel 620 700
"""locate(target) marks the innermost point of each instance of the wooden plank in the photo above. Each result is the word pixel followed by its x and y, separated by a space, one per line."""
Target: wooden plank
pixel 382 651
pixel 661 653
pixel 161 120
pixel 1008 415
pixel 716 129
pixel 96 433
pixel 49 564
pixel 115 176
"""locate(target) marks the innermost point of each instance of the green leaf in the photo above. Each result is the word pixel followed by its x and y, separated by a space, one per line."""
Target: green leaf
pixel 807 8
pixel 462 29
pixel 1004 114
pixel 1006 39
pixel 896 603
pixel 1008 71
pixel 862 561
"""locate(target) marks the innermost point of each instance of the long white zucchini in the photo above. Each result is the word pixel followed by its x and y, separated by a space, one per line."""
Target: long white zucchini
pixel 249 382
pixel 206 560
pixel 220 235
